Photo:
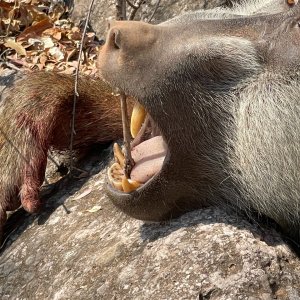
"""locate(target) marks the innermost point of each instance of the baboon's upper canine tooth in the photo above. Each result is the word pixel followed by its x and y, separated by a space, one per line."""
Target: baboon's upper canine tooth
pixel 129 185
pixel 137 118
pixel 118 154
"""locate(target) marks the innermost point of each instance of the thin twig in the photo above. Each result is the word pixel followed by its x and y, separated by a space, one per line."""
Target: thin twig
pixel 2 54
pixel 134 10
pixel 154 12
pixel 129 162
pixel 76 94
pixel 131 4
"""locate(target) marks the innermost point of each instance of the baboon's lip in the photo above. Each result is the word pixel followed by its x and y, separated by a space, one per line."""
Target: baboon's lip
pixel 148 151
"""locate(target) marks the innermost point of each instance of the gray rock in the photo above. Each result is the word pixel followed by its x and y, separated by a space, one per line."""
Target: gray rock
pixel 205 254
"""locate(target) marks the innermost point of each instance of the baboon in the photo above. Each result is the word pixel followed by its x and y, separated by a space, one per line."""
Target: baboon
pixel 222 92
pixel 35 116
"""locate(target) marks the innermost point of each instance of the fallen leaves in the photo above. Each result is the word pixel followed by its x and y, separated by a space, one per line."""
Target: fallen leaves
pixel 94 209
pixel 83 194
pixel 35 30
pixel 16 46
pixel 34 37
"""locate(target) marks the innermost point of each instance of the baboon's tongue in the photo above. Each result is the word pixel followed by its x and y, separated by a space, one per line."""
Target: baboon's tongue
pixel 149 157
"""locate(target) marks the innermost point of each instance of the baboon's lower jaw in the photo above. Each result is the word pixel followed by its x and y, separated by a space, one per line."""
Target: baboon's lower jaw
pixel 148 151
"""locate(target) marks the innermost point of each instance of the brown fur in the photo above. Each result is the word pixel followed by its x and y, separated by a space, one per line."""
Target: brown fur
pixel 224 90
pixel 36 116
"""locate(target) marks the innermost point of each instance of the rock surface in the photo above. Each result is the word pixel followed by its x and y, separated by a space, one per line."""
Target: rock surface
pixel 81 247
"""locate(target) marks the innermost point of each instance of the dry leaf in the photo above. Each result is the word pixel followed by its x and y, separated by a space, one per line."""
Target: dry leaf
pixel 35 29
pixel 50 67
pixel 47 41
pixel 56 11
pixel 68 71
pixel 35 59
pixel 32 41
pixel 83 194
pixel 16 46
pixel 53 32
pixel 94 209
pixel 43 58
pixel 56 53
pixel 45 46
pixel 6 6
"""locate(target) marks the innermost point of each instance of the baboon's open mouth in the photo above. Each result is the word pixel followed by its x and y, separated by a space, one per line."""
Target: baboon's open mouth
pixel 148 151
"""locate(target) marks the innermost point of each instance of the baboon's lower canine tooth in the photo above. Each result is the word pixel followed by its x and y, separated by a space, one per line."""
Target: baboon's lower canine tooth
pixel 118 154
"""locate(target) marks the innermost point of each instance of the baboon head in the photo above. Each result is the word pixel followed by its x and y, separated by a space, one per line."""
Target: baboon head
pixel 190 75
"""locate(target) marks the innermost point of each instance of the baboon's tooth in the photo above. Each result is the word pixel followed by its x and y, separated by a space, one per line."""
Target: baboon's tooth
pixel 115 174
pixel 118 154
pixel 129 185
pixel 137 118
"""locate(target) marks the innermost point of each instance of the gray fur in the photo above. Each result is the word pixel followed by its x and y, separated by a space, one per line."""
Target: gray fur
pixel 242 8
